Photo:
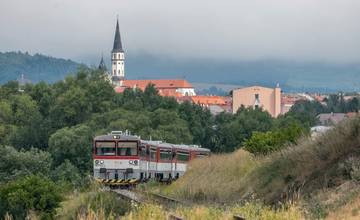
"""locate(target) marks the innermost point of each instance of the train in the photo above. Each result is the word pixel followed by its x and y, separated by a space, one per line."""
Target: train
pixel 124 159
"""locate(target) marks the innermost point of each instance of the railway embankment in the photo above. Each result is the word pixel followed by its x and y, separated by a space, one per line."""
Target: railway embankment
pixel 319 175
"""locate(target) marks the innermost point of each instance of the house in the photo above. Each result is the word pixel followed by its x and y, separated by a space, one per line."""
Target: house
pixel 269 99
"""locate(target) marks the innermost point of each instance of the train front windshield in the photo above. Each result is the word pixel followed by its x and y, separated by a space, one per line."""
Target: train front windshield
pixel 105 148
pixel 127 149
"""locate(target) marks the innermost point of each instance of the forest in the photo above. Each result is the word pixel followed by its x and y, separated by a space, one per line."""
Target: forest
pixel 35 67
pixel 46 133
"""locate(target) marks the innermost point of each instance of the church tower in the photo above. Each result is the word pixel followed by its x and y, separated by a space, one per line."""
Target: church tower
pixel 117 59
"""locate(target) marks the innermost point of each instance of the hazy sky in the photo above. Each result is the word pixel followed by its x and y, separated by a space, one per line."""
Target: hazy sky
pixel 315 30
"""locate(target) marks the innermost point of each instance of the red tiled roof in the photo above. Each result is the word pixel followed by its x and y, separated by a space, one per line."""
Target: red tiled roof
pixel 169 92
pixel 159 83
pixel 290 99
pixel 209 100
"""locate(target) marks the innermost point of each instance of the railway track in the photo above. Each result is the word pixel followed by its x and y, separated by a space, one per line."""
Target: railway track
pixel 143 197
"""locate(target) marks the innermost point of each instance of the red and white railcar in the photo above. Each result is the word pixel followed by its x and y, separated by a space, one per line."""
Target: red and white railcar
pixel 119 158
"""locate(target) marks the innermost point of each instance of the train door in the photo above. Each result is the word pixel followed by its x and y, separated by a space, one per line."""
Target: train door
pixel 152 162
pixel 173 164
pixel 147 148
pixel 143 162
pixel 164 164
pixel 182 158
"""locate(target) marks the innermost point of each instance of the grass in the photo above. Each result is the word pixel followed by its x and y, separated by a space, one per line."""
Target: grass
pixel 297 173
pixel 214 179
pixel 350 211
pixel 84 205
pixel 248 211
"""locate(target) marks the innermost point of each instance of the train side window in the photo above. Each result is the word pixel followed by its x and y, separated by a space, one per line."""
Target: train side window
pixel 182 156
pixel 165 155
pixel 201 155
pixel 105 148
pixel 142 151
pixel 152 154
pixel 127 149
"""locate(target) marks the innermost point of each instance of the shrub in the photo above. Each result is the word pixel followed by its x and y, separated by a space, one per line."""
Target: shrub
pixel 67 173
pixel 30 193
pixel 267 142
pixel 14 163
pixel 93 204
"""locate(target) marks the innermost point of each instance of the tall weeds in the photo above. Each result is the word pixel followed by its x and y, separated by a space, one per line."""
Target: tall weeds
pixel 278 177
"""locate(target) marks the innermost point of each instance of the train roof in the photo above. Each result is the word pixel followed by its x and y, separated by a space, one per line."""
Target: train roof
pixel 177 146
pixel 112 137
pixel 125 136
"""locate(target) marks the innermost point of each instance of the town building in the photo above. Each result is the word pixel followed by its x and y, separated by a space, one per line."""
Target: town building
pixel 216 104
pixel 269 99
pixel 165 87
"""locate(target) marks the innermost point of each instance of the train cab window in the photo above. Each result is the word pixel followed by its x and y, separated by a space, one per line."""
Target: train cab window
pixel 127 149
pixel 105 148
pixel 152 154
pixel 165 155
pixel 182 156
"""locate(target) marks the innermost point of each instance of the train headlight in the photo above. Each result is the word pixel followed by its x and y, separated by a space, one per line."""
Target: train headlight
pixel 133 162
pixel 97 162
pixel 101 162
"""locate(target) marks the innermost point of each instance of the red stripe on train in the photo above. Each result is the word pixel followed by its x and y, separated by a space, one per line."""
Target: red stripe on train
pixel 117 157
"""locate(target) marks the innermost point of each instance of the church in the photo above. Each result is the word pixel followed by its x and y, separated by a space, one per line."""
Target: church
pixel 165 87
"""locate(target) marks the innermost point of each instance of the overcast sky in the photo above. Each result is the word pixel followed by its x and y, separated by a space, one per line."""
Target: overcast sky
pixel 302 30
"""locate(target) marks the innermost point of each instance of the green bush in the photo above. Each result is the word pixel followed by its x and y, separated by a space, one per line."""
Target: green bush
pixel 14 163
pixel 266 142
pixel 32 193
pixel 67 173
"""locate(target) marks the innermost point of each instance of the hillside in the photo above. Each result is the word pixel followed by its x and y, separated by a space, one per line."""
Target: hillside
pixel 322 175
pixel 35 67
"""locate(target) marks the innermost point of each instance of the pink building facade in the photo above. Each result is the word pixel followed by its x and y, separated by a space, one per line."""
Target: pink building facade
pixel 269 99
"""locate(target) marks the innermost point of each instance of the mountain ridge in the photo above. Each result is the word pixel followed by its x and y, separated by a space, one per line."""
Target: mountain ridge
pixel 35 67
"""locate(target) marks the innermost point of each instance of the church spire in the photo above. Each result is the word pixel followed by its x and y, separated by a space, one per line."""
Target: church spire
pixel 102 65
pixel 117 41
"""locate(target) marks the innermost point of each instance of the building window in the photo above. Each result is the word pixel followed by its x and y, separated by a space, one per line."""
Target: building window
pixel 114 72
pixel 257 101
